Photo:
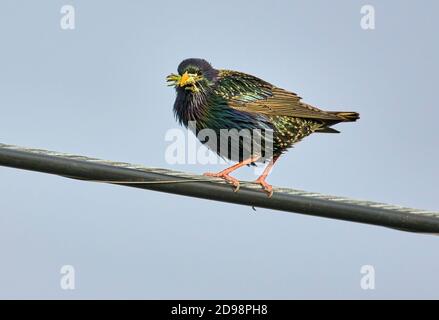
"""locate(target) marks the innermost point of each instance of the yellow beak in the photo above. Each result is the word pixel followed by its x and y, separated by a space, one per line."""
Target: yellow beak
pixel 185 78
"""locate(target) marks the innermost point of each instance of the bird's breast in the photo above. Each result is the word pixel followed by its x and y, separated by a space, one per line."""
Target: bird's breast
pixel 189 107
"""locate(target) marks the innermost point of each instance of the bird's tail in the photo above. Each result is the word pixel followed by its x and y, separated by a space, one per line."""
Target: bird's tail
pixel 347 116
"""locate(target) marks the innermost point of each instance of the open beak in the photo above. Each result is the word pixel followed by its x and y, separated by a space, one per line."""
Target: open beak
pixel 173 79
pixel 185 78
pixel 177 80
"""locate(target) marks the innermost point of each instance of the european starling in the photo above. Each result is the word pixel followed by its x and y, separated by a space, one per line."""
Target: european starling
pixel 224 99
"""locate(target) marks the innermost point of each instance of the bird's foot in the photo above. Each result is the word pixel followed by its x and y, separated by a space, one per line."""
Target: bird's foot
pixel 233 181
pixel 268 188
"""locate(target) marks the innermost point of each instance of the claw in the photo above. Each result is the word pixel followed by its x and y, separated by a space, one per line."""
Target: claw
pixel 225 173
pixel 233 181
pixel 268 188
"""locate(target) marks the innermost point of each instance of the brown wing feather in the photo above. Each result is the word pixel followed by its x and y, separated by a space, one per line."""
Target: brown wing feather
pixel 282 103
pixel 262 97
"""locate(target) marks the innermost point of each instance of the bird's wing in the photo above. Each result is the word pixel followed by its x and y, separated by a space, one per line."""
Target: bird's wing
pixel 250 94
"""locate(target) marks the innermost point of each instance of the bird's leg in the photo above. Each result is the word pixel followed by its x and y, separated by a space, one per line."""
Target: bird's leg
pixel 225 173
pixel 261 180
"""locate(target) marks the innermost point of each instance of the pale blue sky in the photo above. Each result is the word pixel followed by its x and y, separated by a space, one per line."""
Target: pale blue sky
pixel 100 90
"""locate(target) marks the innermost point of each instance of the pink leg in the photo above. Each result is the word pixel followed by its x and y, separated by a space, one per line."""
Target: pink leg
pixel 225 173
pixel 261 180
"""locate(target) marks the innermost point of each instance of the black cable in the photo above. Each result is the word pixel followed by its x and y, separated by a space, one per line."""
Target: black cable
pixel 83 168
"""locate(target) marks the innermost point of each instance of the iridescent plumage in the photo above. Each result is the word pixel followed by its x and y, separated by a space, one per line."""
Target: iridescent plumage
pixel 223 99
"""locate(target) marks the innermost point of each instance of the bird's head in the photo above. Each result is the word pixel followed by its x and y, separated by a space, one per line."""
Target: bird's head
pixel 193 75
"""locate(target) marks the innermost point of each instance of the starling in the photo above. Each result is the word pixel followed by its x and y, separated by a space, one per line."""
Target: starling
pixel 218 99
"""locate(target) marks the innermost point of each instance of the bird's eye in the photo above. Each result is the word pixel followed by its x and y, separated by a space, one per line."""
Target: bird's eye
pixel 194 71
